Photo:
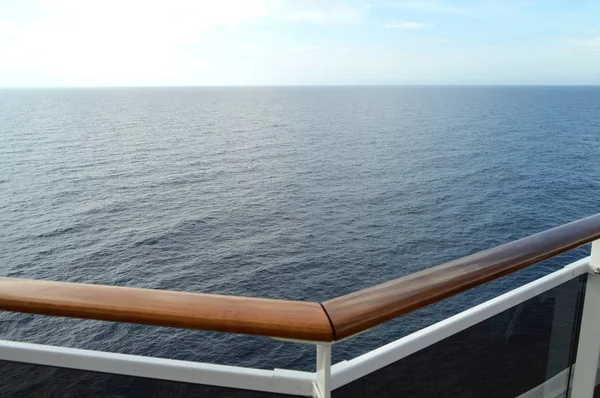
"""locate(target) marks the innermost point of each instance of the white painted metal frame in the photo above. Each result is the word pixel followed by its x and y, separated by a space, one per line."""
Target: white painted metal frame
pixel 276 381
pixel 345 372
pixel 323 384
pixel 588 351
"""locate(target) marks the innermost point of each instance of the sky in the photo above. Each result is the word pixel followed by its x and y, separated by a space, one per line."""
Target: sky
pixel 72 43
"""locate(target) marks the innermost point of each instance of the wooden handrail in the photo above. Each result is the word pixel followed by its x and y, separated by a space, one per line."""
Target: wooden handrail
pixel 333 319
pixel 276 318
pixel 361 310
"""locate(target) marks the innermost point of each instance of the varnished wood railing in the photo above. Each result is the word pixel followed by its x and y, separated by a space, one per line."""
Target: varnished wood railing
pixel 331 320
pixel 358 311
pixel 266 317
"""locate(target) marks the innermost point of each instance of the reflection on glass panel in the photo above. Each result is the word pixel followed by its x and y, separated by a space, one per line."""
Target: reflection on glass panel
pixel 19 380
pixel 507 355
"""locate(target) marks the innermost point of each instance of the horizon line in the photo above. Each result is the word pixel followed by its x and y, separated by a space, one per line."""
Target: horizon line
pixel 296 86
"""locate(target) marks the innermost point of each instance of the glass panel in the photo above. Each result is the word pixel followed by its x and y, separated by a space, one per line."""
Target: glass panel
pixel 504 356
pixel 20 380
pixel 154 341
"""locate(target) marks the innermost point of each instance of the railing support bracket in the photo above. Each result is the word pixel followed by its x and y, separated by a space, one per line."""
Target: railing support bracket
pixel 323 383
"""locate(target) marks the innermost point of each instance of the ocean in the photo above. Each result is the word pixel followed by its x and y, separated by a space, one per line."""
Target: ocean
pixel 301 193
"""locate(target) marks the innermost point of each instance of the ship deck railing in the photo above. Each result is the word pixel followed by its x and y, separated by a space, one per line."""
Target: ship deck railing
pixel 539 340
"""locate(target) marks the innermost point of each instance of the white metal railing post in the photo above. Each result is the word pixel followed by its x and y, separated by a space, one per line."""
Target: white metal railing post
pixel 323 384
pixel 588 350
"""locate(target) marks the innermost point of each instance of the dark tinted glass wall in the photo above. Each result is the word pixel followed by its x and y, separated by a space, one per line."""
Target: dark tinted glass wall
pixel 19 380
pixel 503 356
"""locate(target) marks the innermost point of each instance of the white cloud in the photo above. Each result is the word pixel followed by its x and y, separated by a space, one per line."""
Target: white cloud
pixel 10 29
pixel 71 42
pixel 408 25
pixel 591 43
pixel 196 42
pixel 115 42
pixel 584 45
pixel 321 49
pixel 326 14
pixel 431 6
pixel 177 14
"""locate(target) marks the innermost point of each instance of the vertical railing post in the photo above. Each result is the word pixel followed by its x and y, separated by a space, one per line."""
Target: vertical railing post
pixel 588 350
pixel 323 386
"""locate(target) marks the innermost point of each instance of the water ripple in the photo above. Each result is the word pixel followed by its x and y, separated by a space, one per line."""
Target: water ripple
pixel 296 193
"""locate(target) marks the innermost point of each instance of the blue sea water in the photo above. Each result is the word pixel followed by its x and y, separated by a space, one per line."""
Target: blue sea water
pixel 301 193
